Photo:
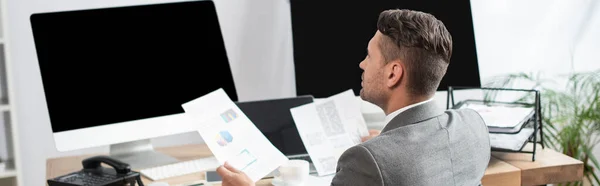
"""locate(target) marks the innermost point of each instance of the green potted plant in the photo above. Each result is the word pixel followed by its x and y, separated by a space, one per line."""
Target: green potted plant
pixel 571 114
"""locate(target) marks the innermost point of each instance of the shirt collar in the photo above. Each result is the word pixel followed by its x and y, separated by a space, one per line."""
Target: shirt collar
pixel 392 115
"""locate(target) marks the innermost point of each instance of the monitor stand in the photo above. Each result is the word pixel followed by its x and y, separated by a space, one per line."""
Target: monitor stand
pixel 140 154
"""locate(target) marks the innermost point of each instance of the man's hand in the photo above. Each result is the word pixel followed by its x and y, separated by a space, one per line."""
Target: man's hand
pixel 372 133
pixel 233 177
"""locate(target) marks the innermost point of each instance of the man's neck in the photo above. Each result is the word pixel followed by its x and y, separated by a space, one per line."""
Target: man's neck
pixel 403 100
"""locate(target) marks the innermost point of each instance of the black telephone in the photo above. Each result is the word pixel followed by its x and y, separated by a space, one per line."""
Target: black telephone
pixel 93 174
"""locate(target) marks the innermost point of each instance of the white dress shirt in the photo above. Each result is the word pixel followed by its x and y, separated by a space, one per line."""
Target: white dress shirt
pixel 392 115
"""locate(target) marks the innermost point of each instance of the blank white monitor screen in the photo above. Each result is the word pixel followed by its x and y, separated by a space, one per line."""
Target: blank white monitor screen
pixel 110 65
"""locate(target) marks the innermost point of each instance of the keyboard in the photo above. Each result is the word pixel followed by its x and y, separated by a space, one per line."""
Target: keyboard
pixel 180 168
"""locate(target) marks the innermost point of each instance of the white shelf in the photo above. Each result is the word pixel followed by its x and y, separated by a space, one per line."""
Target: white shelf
pixel 8 173
pixel 4 107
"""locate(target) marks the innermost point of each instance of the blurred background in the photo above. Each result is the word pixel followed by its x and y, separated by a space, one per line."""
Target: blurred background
pixel 549 38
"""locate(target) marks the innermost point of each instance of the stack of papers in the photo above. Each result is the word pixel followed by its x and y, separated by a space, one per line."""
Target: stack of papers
pixel 329 127
pixel 510 141
pixel 232 137
pixel 501 116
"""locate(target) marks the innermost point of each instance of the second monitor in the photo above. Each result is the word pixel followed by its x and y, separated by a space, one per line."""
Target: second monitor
pixel 330 39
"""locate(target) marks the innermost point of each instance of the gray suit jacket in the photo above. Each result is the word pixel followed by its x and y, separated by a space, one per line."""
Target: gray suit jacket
pixel 421 146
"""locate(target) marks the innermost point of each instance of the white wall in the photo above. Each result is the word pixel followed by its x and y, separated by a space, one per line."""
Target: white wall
pixel 536 36
pixel 512 36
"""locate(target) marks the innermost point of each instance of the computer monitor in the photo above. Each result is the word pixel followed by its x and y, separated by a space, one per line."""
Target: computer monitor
pixel 118 76
pixel 330 40
pixel 274 120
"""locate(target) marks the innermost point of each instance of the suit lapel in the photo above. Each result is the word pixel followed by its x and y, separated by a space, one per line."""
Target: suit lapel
pixel 414 115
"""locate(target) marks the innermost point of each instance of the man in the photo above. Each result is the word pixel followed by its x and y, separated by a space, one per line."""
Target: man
pixel 421 144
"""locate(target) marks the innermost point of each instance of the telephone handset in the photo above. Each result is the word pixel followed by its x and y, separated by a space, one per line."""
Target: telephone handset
pixel 93 163
pixel 94 174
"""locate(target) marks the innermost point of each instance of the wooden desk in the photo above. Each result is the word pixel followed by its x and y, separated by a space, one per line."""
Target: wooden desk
pixel 498 172
pixel 64 165
pixel 549 166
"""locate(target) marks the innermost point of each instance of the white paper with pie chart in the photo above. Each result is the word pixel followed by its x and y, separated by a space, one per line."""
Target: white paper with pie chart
pixel 231 136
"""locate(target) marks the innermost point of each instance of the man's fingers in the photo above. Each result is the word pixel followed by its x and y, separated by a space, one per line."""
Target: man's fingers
pixel 363 139
pixel 223 172
pixel 374 132
pixel 231 168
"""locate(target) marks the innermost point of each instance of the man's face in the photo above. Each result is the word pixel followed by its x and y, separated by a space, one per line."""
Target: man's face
pixel 372 76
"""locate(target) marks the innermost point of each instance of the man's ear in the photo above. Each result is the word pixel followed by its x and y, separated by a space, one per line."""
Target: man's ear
pixel 395 73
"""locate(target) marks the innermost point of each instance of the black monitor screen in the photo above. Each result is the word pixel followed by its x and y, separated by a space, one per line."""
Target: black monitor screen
pixel 110 65
pixel 330 39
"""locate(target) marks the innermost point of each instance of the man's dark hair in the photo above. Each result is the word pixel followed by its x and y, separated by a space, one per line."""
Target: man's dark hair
pixel 421 41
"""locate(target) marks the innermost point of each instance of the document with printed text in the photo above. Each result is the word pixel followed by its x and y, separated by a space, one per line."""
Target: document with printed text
pixel 329 127
pixel 232 137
